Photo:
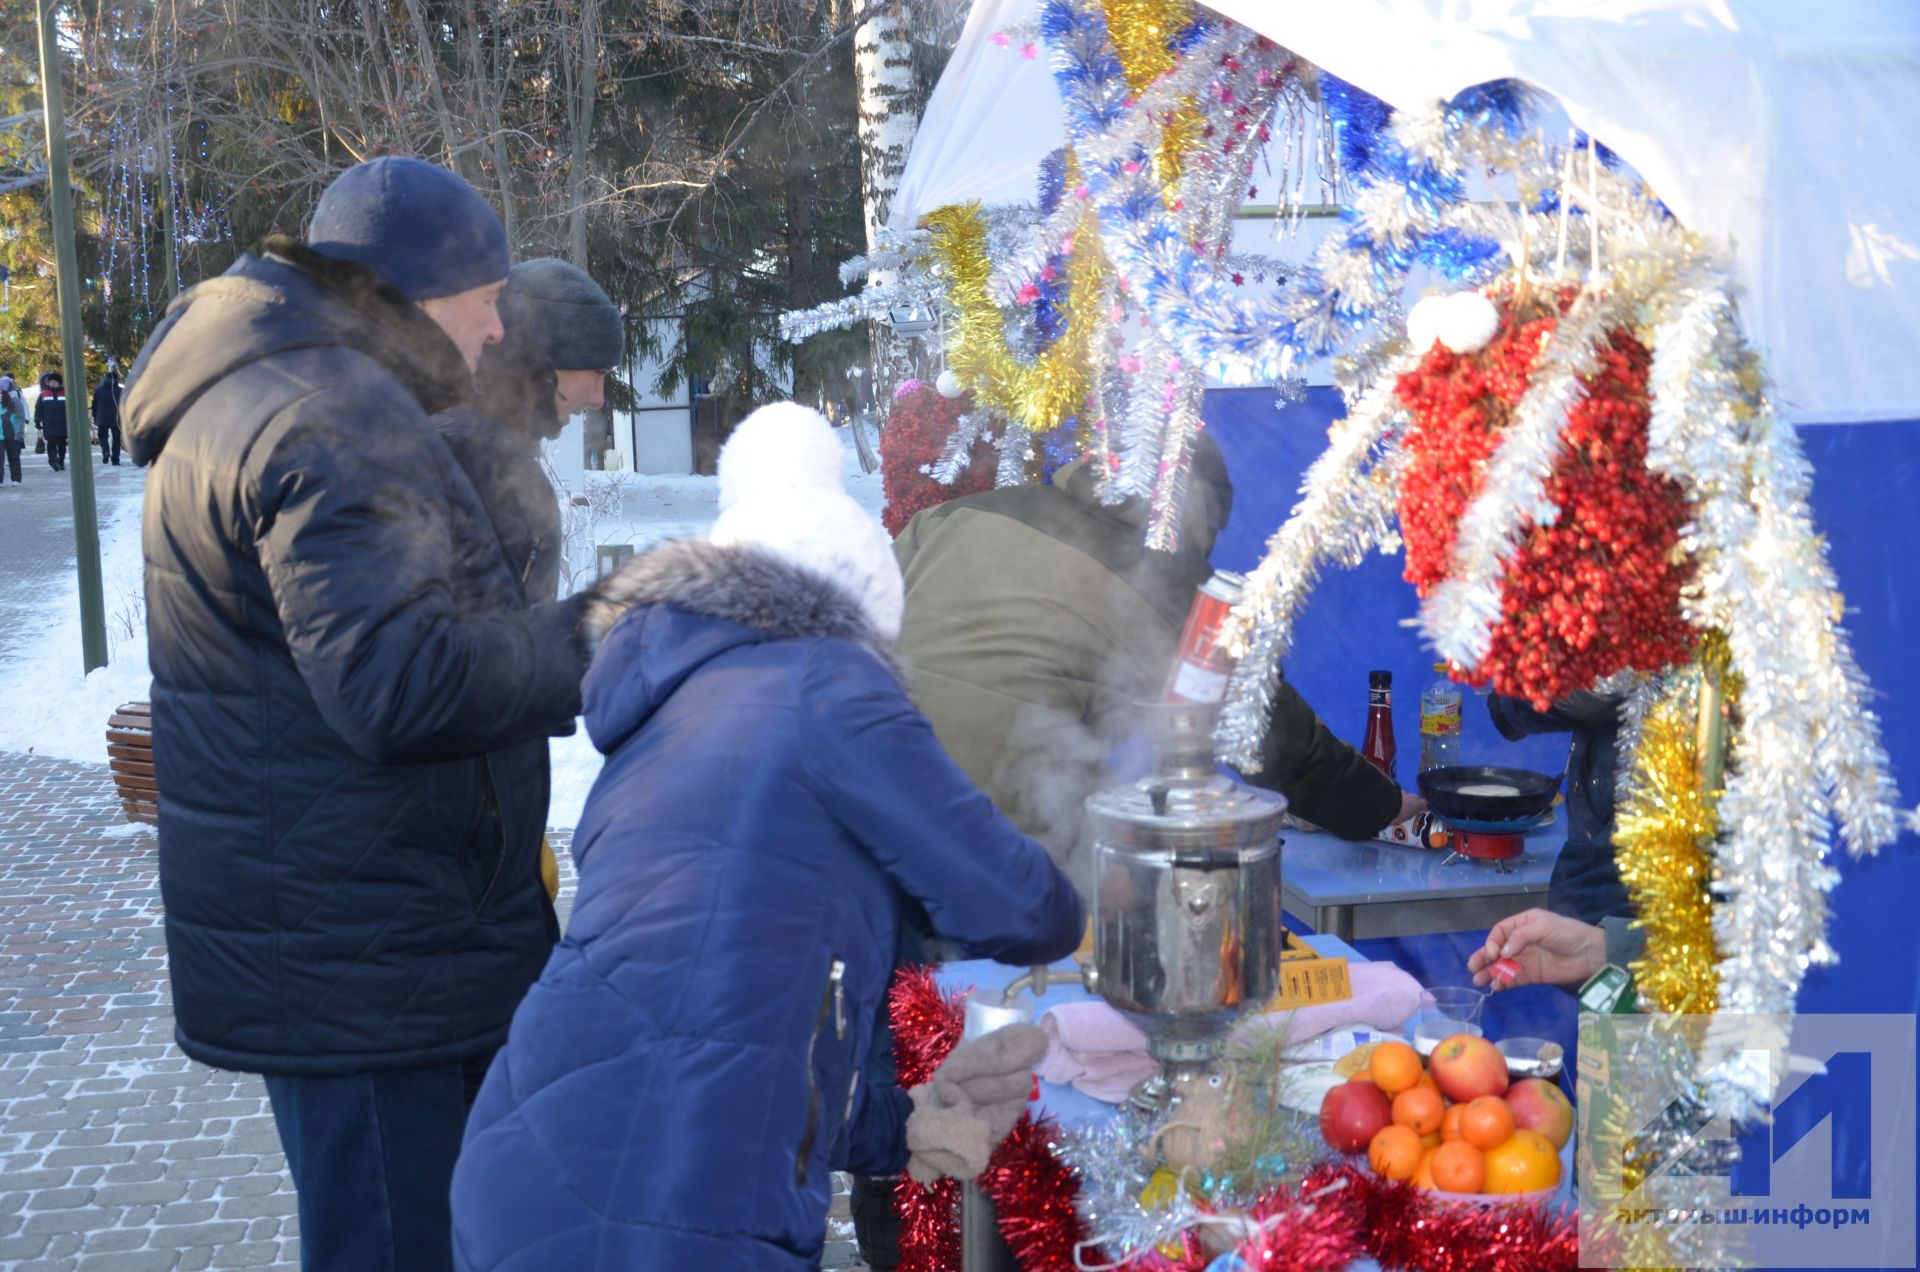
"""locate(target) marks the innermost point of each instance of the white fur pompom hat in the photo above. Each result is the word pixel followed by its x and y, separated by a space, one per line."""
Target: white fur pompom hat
pixel 781 489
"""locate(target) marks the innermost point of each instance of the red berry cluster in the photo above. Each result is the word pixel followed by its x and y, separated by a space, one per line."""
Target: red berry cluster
pixel 1599 590
pixel 916 434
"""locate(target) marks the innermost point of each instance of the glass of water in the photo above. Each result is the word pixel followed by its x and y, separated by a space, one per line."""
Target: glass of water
pixel 1455 1009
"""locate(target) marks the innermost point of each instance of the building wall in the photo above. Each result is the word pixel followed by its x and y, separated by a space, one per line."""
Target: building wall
pixel 657 439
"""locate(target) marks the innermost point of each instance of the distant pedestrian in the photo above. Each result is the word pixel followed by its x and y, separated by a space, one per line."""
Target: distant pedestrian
pixel 50 417
pixel 106 414
pixel 13 426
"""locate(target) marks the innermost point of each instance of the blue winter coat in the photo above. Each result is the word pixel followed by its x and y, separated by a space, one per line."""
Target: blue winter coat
pixel 1586 880
pixel 686 1073
pixel 342 666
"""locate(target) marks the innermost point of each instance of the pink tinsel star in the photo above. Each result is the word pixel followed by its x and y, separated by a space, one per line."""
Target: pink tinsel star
pixel 1028 51
pixel 1000 39
pixel 1027 294
pixel 1239 280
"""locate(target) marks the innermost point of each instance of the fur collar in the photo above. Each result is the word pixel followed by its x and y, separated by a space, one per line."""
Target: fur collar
pixel 739 583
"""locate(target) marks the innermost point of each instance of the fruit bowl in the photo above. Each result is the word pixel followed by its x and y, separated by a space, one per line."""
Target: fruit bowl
pixel 1490 1201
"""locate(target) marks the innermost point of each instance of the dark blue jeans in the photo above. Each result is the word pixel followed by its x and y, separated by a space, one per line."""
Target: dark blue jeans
pixel 371 1155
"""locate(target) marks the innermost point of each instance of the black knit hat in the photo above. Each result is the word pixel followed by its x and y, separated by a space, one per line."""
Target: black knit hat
pixel 563 316
pixel 423 229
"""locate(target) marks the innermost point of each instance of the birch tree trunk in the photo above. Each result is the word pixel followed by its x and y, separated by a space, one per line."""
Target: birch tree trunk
pixel 889 116
pixel 582 93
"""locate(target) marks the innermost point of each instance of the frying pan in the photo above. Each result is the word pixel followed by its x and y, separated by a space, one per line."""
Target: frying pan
pixel 1442 787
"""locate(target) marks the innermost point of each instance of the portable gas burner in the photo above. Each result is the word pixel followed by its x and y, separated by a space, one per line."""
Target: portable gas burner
pixel 1489 809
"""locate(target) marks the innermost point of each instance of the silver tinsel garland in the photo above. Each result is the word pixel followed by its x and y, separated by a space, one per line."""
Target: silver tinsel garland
pixel 1346 510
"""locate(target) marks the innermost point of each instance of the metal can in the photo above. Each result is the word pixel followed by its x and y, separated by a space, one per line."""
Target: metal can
pixel 1202 666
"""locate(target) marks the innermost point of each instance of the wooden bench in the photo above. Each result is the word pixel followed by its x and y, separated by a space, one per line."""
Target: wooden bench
pixel 130 759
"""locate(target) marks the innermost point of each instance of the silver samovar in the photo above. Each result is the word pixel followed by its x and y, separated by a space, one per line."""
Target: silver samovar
pixel 1186 900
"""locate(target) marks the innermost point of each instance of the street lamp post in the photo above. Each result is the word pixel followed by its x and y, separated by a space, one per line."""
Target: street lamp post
pixel 86 527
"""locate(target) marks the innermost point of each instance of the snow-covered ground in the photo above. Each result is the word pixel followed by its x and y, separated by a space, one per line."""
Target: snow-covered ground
pixel 50 709
pixel 46 706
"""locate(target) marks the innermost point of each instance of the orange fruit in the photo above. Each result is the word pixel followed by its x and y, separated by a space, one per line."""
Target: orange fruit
pixel 1431 1141
pixel 1423 1173
pixel 1426 1080
pixel 1419 1108
pixel 1395 1067
pixel 1395 1152
pixel 1450 1122
pixel 1528 1162
pixel 1458 1167
pixel 1487 1122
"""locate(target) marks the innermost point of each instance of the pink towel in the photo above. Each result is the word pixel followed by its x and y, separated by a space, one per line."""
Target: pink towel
pixel 1383 998
pixel 1095 1049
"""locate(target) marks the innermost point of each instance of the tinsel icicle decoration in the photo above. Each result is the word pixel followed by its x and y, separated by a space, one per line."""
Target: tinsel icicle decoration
pixel 1664 830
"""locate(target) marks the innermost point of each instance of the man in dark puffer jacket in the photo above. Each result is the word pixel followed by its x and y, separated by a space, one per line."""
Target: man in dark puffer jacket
pixel 352 898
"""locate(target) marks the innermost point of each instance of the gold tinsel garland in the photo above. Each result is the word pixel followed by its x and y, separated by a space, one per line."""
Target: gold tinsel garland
pixel 1663 834
pixel 1037 395
pixel 1140 31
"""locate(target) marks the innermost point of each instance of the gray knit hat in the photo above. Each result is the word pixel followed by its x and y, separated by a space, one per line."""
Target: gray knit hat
pixel 563 315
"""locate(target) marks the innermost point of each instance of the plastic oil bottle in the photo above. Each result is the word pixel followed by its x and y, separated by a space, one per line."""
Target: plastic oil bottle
pixel 1439 722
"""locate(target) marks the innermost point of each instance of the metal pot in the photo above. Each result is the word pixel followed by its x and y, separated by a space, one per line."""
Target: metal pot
pixel 1186 883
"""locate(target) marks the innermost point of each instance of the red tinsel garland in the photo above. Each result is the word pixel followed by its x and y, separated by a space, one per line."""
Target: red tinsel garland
pixel 927 1025
pixel 918 426
pixel 1033 1198
pixel 1344 1212
pixel 1596 592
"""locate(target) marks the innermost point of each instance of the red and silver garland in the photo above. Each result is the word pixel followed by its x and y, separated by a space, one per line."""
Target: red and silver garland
pixel 1589 583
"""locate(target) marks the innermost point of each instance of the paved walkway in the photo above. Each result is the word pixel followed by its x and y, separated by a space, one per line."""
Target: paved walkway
pixel 117 1153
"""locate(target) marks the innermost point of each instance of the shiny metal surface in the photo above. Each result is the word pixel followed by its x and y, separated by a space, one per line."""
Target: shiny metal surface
pixel 1186 949
pixel 1186 892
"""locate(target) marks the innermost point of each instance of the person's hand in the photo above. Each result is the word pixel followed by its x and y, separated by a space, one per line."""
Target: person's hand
pixel 1411 805
pixel 1551 949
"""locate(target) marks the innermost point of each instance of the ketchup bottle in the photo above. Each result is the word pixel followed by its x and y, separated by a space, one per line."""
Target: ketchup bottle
pixel 1378 747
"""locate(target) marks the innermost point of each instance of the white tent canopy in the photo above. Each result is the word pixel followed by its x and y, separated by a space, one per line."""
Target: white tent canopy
pixel 1778 129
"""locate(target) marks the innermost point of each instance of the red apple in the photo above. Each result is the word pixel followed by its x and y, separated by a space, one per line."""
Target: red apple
pixel 1465 1068
pixel 1539 1105
pixel 1352 1114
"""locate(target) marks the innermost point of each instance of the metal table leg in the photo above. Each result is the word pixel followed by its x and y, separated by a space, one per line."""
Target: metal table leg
pixel 1334 920
pixel 982 1248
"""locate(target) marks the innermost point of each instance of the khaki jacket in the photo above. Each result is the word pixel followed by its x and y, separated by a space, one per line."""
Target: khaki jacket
pixel 1035 618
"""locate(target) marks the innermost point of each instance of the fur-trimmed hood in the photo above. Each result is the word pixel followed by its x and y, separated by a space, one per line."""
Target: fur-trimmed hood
pixel 677 606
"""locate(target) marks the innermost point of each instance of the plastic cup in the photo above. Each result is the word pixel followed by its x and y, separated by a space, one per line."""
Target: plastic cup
pixel 1455 1009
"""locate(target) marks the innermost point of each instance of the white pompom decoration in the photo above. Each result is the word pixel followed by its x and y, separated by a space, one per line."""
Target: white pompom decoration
pixel 949 385
pixel 1464 322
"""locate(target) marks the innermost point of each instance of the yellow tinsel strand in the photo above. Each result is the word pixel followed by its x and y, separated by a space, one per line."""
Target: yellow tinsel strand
pixel 1663 832
pixel 1040 394
pixel 1140 31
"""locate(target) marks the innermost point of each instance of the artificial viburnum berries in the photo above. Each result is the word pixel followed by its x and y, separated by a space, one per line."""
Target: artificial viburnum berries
pixel 1596 592
pixel 918 426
